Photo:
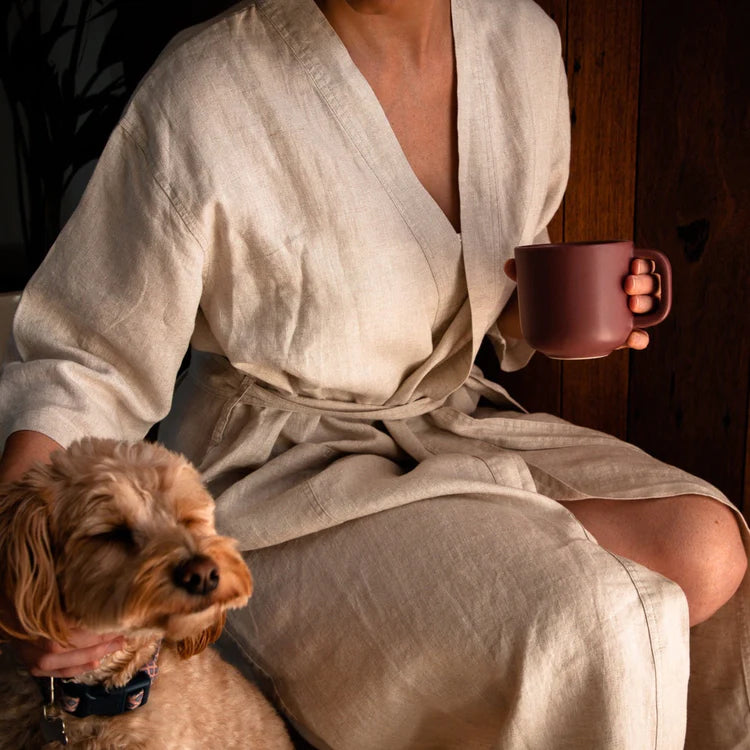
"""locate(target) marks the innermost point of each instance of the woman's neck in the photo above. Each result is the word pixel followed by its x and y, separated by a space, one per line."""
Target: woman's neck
pixel 396 32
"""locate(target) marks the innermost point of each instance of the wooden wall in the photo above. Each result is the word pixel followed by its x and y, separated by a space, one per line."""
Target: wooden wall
pixel 660 112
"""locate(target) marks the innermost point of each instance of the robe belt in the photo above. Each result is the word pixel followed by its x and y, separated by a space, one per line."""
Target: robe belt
pixel 217 374
pixel 258 395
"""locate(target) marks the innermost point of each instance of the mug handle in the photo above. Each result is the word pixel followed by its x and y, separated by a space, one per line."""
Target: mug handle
pixel 662 267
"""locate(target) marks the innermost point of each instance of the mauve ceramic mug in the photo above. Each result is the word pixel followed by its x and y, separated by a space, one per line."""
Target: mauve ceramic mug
pixel 571 296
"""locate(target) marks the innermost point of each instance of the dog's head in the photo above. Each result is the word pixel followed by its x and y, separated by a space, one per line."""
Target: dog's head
pixel 116 537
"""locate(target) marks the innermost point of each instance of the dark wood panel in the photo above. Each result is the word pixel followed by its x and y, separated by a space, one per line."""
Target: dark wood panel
pixel 689 392
pixel 603 68
pixel 537 386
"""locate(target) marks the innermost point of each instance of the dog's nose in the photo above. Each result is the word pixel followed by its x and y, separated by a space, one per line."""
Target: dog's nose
pixel 198 576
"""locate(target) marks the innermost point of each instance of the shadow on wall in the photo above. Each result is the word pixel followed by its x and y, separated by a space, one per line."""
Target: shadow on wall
pixel 67 69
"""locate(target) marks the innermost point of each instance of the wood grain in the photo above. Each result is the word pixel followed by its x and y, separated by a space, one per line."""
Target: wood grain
pixel 689 395
pixel 603 67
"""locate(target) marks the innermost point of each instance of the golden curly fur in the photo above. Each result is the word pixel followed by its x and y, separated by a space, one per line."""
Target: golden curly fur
pixel 95 539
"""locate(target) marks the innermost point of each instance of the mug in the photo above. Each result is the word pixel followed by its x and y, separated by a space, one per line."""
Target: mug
pixel 571 297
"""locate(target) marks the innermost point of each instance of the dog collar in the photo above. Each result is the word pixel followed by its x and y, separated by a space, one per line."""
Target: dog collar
pixel 81 700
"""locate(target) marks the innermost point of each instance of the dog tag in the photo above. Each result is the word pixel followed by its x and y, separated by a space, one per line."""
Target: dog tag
pixel 53 729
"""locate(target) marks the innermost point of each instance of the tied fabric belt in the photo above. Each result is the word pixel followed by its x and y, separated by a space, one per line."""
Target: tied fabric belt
pixel 215 373
pixel 257 395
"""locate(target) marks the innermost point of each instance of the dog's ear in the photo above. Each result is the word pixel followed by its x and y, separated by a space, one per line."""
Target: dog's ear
pixel 191 646
pixel 27 569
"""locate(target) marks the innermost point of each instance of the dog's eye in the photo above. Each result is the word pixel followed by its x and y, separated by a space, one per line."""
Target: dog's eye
pixel 116 535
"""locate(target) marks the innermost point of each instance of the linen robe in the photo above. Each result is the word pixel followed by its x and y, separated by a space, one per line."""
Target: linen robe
pixel 417 583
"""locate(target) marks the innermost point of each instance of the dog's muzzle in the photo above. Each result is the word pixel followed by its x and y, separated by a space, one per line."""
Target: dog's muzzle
pixel 198 576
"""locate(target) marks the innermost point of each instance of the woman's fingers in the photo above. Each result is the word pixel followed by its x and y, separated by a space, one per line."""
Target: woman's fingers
pixel 65 672
pixel 642 266
pixel 82 639
pixel 641 284
pixel 638 339
pixel 46 658
pixel 641 303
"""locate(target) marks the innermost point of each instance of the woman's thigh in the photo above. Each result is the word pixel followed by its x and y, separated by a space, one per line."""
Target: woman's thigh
pixel 464 623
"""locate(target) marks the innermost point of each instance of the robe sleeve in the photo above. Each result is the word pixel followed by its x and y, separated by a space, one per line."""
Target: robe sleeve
pixel 515 354
pixel 102 327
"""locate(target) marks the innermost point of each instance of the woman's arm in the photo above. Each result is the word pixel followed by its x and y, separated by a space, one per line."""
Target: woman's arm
pixel 509 322
pixel 22 449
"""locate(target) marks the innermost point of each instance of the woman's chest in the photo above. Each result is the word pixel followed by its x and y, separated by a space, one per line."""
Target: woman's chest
pixel 421 109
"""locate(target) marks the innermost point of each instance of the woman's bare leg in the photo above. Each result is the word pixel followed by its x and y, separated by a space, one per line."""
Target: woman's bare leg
pixel 691 539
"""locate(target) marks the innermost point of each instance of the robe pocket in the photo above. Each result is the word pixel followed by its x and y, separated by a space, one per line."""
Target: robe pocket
pixel 356 485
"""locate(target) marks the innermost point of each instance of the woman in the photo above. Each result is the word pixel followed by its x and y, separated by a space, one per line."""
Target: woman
pixel 320 199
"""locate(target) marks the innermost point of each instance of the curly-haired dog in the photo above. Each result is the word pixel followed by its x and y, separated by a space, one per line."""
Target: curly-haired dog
pixel 119 537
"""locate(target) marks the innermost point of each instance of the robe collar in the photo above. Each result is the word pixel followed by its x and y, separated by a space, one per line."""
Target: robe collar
pixel 493 153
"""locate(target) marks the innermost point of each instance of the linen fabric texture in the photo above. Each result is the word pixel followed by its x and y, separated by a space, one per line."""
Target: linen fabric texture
pixel 417 583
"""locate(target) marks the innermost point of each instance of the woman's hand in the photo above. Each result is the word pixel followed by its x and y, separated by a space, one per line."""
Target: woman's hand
pixel 641 287
pixel 45 658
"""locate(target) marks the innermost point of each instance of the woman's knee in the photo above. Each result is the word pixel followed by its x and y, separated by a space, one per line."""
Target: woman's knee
pixel 693 540
pixel 708 558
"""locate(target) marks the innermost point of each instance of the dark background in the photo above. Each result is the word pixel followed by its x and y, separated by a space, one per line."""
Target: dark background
pixel 67 69
pixel 660 105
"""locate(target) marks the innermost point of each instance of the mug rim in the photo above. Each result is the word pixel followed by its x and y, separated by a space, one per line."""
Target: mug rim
pixel 588 243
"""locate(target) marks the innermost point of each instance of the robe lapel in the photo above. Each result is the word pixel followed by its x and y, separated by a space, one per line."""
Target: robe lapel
pixel 494 153
pixel 354 105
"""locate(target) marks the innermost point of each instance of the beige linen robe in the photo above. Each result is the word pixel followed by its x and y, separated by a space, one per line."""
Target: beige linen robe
pixel 417 583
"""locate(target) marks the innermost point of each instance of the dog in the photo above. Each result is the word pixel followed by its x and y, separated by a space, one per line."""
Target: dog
pixel 119 537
